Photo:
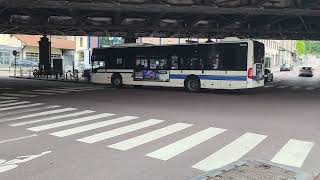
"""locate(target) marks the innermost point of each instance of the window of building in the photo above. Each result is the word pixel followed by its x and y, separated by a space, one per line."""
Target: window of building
pixel 56 56
pixel 68 59
pixel 81 56
pixel 4 58
pixel 32 56
pixel 81 41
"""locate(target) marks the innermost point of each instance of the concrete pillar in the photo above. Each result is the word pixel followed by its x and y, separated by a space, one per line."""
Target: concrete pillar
pixel 44 54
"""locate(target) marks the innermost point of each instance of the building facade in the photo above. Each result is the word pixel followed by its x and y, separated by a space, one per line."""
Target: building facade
pixel 28 48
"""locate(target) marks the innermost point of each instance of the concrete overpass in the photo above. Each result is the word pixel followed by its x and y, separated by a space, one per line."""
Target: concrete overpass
pixel 270 19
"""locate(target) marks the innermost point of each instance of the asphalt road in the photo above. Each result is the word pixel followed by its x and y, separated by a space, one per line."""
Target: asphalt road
pixel 83 131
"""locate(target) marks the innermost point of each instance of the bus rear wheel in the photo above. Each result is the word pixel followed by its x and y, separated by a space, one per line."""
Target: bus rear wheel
pixel 116 80
pixel 192 84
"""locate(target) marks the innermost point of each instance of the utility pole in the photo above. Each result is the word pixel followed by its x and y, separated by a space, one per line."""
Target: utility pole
pixel 15 53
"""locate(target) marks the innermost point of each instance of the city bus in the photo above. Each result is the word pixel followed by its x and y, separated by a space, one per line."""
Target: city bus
pixel 230 64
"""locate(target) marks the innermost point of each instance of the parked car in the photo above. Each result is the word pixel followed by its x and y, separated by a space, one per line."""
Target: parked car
pixel 306 71
pixel 268 75
pixel 286 67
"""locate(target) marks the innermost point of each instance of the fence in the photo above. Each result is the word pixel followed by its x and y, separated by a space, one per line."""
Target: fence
pixel 33 73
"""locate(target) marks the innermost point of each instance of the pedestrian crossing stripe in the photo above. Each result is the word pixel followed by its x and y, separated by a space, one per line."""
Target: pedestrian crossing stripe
pixel 37 93
pixel 70 122
pixel 14 103
pixel 93 126
pixel 8 101
pixel 293 153
pixel 282 87
pixel 148 137
pixel 7 97
pixel 119 131
pixel 21 111
pixel 50 91
pixel 54 118
pixel 185 144
pixel 56 111
pixel 18 95
pixel 310 88
pixel 231 152
pixel 20 106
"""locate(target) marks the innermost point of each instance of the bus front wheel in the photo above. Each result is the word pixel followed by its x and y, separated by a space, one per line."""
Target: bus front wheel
pixel 192 84
pixel 116 80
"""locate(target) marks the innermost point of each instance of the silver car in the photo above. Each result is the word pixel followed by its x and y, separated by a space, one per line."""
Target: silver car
pixel 306 71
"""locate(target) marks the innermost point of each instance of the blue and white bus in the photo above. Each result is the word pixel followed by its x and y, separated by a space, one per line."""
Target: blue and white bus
pixel 230 64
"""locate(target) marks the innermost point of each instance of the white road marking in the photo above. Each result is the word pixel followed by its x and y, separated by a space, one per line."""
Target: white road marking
pixel 6 97
pixel 81 88
pixel 15 103
pixel 151 136
pixel 230 153
pixel 11 164
pixel 310 88
pixel 119 131
pixel 8 101
pixel 28 110
pixel 69 122
pixel 293 153
pixel 18 95
pixel 89 127
pixel 21 106
pixel 296 87
pixel 50 91
pixel 68 90
pixel 75 90
pixel 54 118
pixel 56 111
pixel 282 87
pixel 185 144
pixel 38 93
pixel 17 139
pixel 268 86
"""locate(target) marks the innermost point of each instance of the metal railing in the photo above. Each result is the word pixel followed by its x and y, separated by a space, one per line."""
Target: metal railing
pixel 73 76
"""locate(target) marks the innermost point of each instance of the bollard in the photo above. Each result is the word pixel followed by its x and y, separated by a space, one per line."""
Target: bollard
pixel 21 72
pixel 77 77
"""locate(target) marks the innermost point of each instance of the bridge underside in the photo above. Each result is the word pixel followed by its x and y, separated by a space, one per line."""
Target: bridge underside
pixel 269 19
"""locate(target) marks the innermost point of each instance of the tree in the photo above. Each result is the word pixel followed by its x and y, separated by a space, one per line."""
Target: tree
pixel 300 47
pixel 312 47
pixel 104 41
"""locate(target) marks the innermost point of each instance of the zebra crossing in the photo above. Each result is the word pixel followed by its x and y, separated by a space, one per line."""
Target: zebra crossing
pixel 47 91
pixel 53 117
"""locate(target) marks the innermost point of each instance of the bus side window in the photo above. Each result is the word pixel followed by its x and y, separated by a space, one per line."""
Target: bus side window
pixel 141 63
pixel 214 60
pixel 174 62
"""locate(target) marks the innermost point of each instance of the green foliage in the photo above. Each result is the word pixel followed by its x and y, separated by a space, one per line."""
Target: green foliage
pixel 312 47
pixel 300 47
pixel 104 41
